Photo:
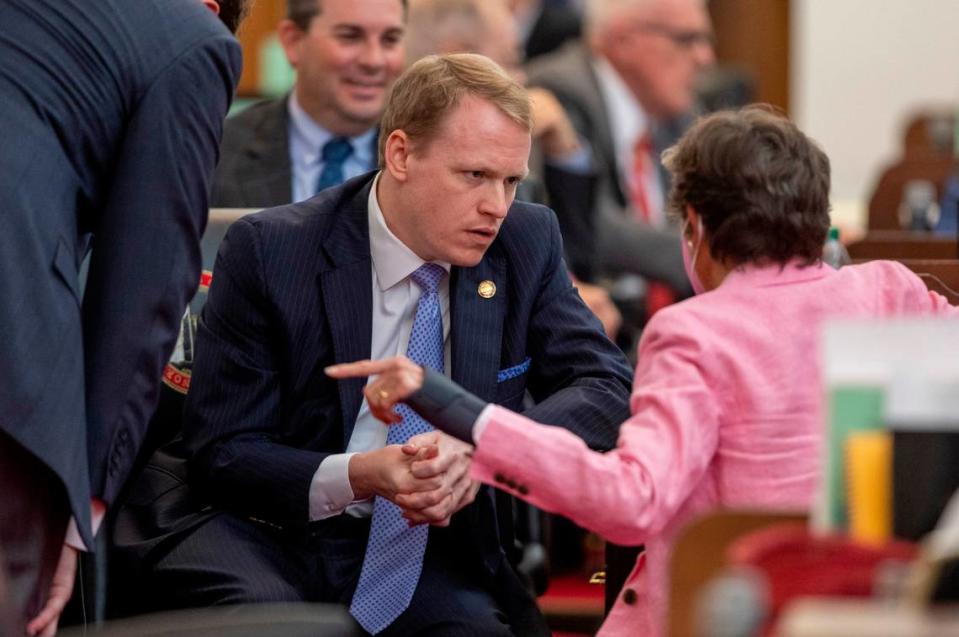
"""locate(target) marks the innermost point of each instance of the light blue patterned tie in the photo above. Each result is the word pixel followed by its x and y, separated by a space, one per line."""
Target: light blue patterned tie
pixel 394 553
pixel 334 154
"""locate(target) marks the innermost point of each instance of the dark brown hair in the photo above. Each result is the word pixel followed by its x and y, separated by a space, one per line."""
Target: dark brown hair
pixel 760 185
pixel 302 12
pixel 233 12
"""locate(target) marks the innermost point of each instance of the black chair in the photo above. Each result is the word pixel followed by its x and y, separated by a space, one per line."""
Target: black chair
pixel 88 605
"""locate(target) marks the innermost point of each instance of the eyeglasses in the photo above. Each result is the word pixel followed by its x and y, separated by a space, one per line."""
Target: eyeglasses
pixel 682 38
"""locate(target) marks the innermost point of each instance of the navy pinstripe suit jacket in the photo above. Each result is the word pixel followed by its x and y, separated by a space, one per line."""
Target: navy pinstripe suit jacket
pixel 102 152
pixel 292 294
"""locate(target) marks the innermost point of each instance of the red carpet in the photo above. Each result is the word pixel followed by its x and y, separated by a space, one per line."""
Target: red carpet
pixel 573 607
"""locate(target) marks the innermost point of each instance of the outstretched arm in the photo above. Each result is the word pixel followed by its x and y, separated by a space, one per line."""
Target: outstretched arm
pixel 625 495
pixel 439 400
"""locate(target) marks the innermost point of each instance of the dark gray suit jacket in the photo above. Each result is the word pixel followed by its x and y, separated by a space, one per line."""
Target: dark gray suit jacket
pixel 623 245
pixel 112 113
pixel 254 169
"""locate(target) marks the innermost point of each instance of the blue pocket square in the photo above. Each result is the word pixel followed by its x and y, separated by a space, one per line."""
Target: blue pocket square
pixel 514 371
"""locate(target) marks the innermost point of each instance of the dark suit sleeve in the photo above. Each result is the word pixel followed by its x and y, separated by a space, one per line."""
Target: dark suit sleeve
pixel 629 246
pixel 234 415
pixel 571 197
pixel 580 380
pixel 145 263
pixel 446 405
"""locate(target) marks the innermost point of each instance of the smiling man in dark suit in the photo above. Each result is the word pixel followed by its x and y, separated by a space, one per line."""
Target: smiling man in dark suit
pixel 347 55
pixel 312 498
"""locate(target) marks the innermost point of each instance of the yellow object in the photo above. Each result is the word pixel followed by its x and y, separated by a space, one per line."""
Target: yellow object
pixel 869 479
pixel 486 289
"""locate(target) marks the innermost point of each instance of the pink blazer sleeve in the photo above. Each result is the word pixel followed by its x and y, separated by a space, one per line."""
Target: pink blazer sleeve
pixel 633 491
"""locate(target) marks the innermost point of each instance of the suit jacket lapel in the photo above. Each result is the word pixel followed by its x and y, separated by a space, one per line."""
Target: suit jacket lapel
pixel 476 324
pixel 592 95
pixel 348 297
pixel 270 176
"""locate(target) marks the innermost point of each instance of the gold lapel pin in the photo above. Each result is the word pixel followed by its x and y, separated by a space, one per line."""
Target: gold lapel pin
pixel 486 289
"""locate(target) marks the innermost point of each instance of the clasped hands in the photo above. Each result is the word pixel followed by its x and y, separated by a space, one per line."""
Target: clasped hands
pixel 428 477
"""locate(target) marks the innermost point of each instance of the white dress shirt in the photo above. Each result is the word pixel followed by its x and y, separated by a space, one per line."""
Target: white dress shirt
pixel 628 122
pixel 306 146
pixel 395 296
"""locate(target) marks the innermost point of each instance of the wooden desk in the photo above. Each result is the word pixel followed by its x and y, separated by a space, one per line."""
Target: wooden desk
pixel 700 554
pixel 833 617
pixel 939 275
pixel 899 244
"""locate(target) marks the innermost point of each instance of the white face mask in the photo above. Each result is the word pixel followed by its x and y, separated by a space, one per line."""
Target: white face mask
pixel 689 262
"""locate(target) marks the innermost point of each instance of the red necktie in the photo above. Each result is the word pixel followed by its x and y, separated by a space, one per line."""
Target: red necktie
pixel 658 295
pixel 642 164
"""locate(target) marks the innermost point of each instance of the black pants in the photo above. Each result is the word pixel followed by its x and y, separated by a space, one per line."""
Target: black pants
pixel 230 560
pixel 33 520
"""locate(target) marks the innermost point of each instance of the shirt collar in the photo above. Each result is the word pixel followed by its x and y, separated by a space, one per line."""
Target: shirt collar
pixel 307 137
pixel 626 114
pixel 393 261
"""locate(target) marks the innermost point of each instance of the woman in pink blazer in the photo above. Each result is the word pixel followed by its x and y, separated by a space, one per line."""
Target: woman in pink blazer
pixel 726 400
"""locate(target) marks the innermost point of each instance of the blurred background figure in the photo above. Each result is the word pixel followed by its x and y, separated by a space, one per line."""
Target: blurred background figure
pixel 347 55
pixel 628 87
pixel 545 25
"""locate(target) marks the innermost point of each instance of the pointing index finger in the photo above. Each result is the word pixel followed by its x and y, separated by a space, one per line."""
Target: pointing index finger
pixel 357 369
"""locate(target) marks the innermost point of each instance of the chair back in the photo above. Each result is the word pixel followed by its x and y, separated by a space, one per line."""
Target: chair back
pixel 700 553
pixel 885 201
pixel 930 131
pixel 939 275
pixel 900 244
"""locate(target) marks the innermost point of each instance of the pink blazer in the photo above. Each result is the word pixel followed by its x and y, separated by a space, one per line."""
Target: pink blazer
pixel 726 410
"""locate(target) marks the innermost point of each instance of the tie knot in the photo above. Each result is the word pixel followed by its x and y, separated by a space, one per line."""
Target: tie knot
pixel 336 150
pixel 428 277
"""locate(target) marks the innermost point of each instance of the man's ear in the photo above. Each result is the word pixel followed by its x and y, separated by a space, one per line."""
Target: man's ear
pixel 213 6
pixel 396 154
pixel 290 35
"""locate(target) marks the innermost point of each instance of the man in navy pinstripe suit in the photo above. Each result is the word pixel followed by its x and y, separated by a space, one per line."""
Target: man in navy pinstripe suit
pixel 291 460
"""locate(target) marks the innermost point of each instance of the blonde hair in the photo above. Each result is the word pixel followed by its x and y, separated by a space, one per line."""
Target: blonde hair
pixel 433 86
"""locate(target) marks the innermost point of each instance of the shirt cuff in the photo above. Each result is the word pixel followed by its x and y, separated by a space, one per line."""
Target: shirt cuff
pixel 330 490
pixel 481 421
pixel 98 509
